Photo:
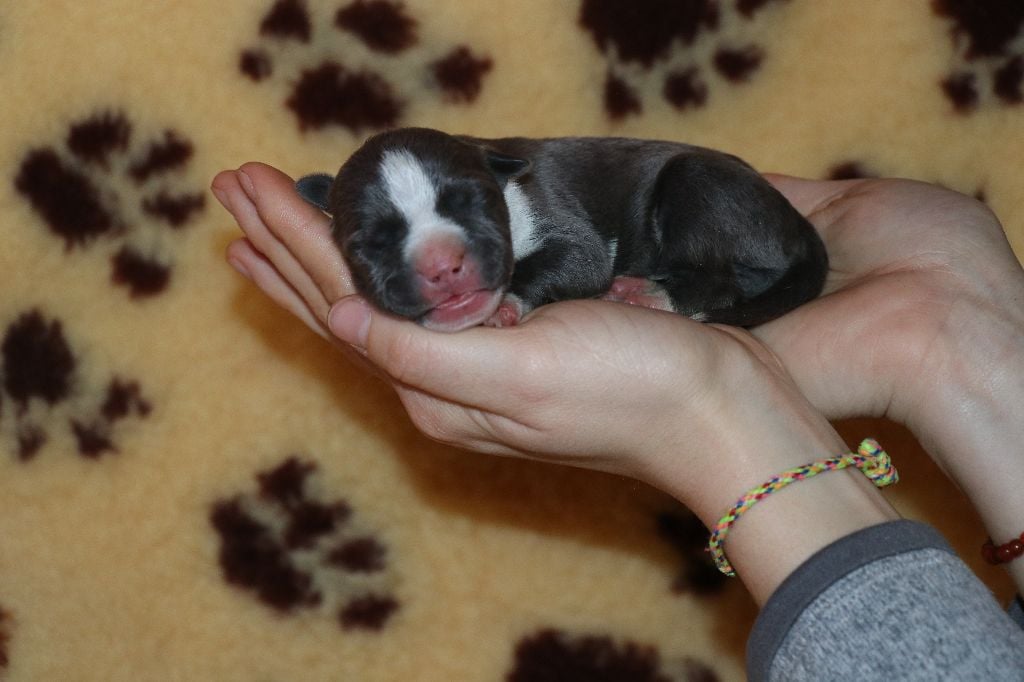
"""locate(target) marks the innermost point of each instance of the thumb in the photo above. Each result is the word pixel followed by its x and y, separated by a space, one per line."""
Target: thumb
pixel 349 319
pixel 460 367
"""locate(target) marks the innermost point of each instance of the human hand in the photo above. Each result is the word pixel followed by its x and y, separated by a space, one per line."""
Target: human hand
pixel 922 321
pixel 915 269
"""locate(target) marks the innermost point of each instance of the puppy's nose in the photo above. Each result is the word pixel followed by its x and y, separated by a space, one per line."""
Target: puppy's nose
pixel 440 262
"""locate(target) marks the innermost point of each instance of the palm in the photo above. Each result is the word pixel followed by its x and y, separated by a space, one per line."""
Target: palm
pixel 609 354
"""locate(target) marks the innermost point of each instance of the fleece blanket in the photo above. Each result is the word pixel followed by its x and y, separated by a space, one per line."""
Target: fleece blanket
pixel 195 487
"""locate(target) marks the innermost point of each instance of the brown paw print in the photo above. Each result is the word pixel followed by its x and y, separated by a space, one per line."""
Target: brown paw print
pixel 331 92
pixel 99 186
pixel 39 378
pixel 552 654
pixel 689 537
pixel 295 551
pixel 850 170
pixel 5 637
pixel 988 40
pixel 646 39
pixel 857 170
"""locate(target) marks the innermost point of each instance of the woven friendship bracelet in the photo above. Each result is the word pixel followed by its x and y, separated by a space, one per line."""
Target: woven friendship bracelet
pixel 870 459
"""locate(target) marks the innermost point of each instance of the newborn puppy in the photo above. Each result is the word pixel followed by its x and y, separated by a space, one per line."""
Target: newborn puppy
pixel 456 231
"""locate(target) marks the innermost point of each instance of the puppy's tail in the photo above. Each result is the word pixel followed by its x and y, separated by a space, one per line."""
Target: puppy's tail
pixel 802 281
pixel 316 189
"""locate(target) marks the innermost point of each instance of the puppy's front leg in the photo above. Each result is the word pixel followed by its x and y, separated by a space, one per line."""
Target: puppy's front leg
pixel 510 311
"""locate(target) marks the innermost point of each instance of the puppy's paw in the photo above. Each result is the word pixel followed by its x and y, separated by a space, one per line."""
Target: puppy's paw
pixel 639 291
pixel 509 313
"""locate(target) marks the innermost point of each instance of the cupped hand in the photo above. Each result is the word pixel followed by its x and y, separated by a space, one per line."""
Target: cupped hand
pixel 606 386
pixel 917 274
pixel 922 321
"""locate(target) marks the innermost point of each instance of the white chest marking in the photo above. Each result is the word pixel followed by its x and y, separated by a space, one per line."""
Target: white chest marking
pixel 522 222
pixel 613 250
pixel 411 192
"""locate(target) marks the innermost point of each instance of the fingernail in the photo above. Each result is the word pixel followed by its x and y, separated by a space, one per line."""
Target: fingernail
pixel 221 197
pixel 349 320
pixel 246 182
pixel 237 265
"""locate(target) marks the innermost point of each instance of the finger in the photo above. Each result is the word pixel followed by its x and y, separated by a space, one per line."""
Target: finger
pixel 450 423
pixel 257 269
pixel 810 196
pixel 229 185
pixel 302 228
pixel 261 272
pixel 460 367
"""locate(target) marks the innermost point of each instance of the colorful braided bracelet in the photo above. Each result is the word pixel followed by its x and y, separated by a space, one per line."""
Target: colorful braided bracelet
pixel 870 459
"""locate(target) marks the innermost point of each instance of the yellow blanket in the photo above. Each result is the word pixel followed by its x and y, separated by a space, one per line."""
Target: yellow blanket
pixel 195 487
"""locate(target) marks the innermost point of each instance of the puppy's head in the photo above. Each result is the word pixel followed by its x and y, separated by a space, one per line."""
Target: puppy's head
pixel 421 218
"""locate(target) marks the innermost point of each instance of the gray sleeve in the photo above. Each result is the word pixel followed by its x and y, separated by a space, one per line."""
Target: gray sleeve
pixel 1016 611
pixel 890 602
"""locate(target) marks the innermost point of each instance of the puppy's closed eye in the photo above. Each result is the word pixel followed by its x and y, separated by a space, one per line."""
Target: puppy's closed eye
pixel 456 198
pixel 389 227
pixel 379 234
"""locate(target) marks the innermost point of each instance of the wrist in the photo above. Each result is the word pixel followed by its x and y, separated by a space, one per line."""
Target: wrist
pixel 787 524
pixel 749 445
pixel 790 525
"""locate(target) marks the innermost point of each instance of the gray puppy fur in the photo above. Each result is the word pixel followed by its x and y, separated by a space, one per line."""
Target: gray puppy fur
pixel 455 231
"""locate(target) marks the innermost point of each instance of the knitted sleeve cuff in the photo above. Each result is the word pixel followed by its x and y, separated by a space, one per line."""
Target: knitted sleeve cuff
pixel 823 569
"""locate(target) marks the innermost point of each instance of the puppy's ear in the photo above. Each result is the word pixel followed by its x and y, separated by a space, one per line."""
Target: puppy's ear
pixel 316 189
pixel 505 167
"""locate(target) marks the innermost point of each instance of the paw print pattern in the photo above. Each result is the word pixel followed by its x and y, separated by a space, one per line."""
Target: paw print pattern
pixel 856 170
pixel 651 39
pixel 294 551
pixel 5 637
pixel 41 388
pixel 988 39
pixel 850 170
pixel 331 92
pixel 687 535
pixel 75 190
pixel 552 654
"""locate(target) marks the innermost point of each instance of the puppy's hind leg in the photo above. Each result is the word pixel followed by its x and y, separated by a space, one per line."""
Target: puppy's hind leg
pixel 700 295
pixel 734 250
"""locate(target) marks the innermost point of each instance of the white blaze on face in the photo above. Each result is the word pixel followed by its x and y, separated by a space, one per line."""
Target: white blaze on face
pixel 414 196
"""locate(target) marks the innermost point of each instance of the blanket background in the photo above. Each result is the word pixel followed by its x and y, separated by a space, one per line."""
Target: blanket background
pixel 194 487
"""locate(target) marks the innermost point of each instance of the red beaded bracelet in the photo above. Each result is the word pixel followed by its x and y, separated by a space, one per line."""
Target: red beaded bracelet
pixel 1004 553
